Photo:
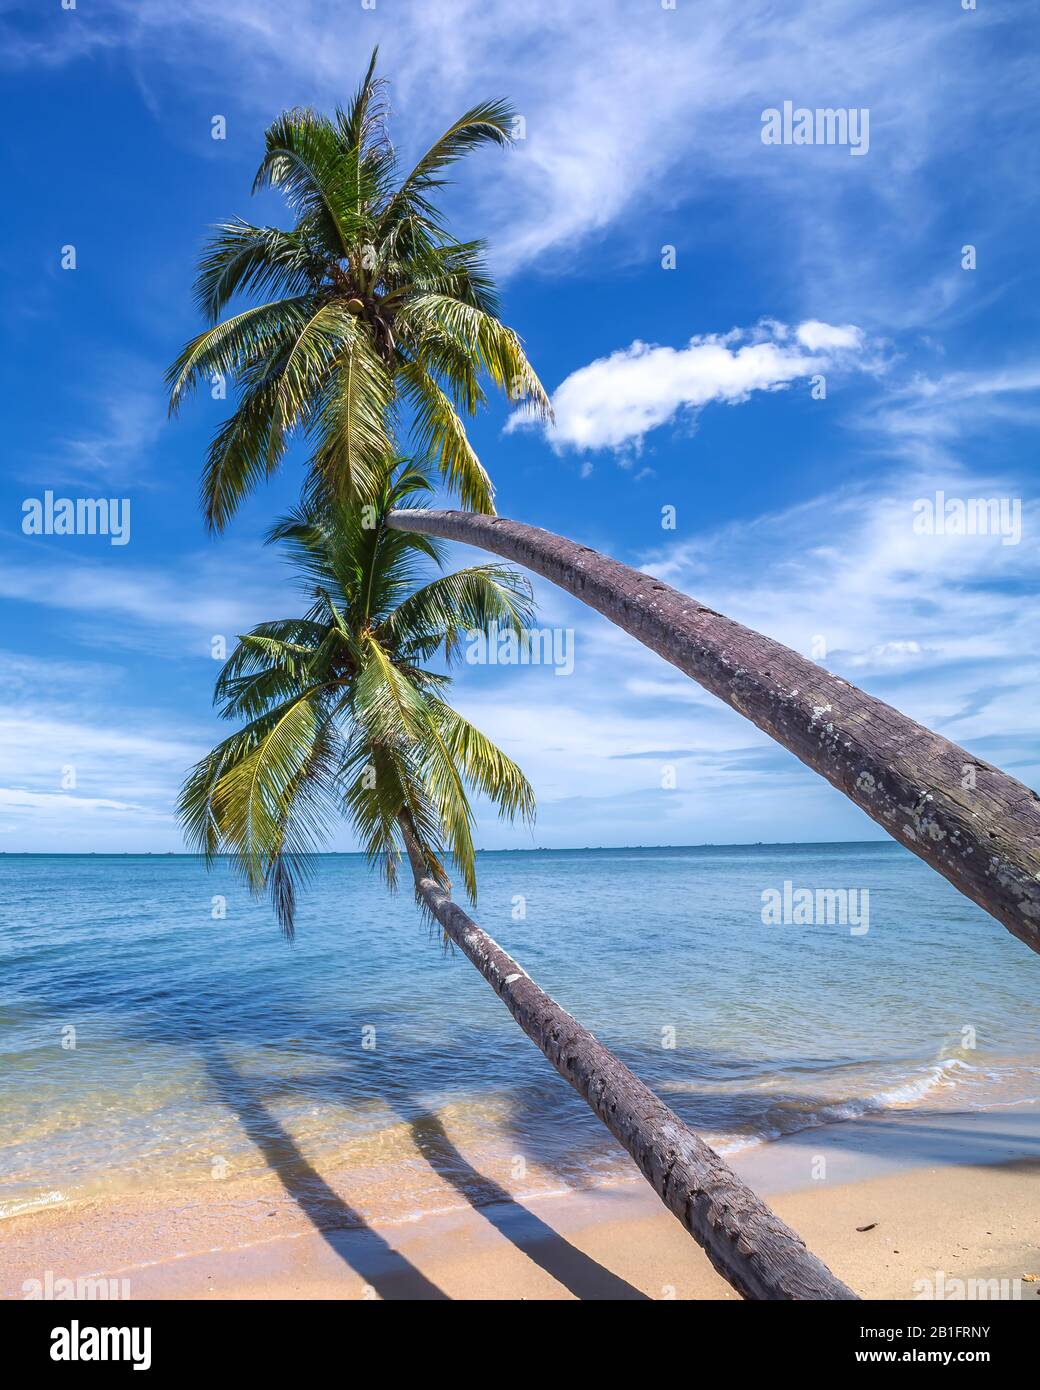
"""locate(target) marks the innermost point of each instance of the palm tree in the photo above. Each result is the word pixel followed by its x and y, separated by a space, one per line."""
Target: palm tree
pixel 343 715
pixel 375 310
pixel 975 824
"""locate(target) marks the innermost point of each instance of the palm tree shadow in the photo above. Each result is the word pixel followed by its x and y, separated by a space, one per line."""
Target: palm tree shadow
pixel 568 1265
pixel 389 1272
pixel 342 1228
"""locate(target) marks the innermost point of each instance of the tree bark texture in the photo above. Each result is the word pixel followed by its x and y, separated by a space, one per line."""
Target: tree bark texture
pixel 753 1249
pixel 979 827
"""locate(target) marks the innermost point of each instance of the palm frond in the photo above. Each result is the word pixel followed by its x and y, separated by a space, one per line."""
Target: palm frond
pixel 267 796
pixel 385 702
pixel 475 599
pixel 381 784
pixel 246 448
pixel 443 782
pixel 241 258
pixel 302 158
pixel 484 338
pixel 487 123
pixel 363 125
pixel 237 344
pixel 350 428
pixel 441 434
pixel 483 764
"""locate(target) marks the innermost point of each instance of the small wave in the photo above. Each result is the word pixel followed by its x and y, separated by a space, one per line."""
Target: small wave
pixel 18 1206
pixel 910 1092
pixel 729 1144
pixel 793 1120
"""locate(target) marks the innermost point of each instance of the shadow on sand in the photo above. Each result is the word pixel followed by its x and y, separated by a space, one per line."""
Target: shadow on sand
pixel 340 1226
pixel 569 1266
pixel 365 1251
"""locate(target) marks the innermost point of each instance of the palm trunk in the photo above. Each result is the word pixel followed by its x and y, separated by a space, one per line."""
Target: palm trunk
pixel 976 825
pixel 749 1246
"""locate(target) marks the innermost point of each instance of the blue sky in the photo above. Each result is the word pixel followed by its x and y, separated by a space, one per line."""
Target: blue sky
pixel 688 387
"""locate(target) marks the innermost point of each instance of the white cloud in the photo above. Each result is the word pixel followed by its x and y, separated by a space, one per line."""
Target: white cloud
pixel 817 336
pixel 616 400
pixel 624 105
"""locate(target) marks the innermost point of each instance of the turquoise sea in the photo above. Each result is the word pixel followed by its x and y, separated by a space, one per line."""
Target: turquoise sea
pixel 149 1042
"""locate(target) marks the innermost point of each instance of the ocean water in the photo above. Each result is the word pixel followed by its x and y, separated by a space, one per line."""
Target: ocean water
pixel 148 1042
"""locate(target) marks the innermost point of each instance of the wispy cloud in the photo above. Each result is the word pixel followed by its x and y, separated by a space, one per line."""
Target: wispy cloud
pixel 171 611
pixel 115 415
pixel 118 447
pixel 618 101
pixel 934 624
pixel 926 620
pixel 83 765
pixel 925 418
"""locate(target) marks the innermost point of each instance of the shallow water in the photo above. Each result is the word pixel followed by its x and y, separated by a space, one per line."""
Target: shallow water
pixel 205 1047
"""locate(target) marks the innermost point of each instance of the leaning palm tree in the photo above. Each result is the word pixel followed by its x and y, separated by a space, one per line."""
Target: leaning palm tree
pixel 342 714
pixel 975 824
pixel 374 318
pixel 978 826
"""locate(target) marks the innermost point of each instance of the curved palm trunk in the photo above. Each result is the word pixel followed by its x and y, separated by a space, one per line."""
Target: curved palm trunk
pixel 760 1256
pixel 976 825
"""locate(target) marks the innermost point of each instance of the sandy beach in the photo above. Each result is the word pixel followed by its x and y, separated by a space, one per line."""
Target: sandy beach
pixel 908 1205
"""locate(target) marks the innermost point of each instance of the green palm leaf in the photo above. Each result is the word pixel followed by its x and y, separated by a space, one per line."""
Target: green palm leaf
pixel 483 764
pixel 341 716
pixel 440 433
pixel 241 258
pixel 350 428
pixel 237 344
pixel 470 600
pixel 247 448
pixel 380 308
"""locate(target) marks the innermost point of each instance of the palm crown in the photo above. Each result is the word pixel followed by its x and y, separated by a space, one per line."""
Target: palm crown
pixel 371 309
pixel 342 714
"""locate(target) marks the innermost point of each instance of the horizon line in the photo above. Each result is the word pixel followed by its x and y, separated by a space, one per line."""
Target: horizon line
pixel 360 854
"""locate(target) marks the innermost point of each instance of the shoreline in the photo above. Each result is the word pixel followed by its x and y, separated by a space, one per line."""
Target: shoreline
pixel 945 1196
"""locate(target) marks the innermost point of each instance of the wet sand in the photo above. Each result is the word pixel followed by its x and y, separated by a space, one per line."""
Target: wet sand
pixel 946 1198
